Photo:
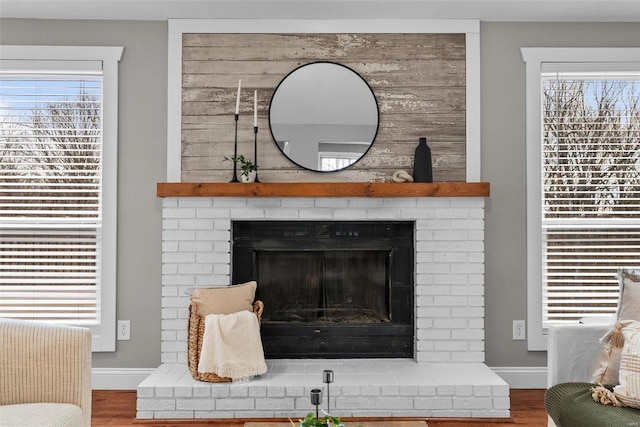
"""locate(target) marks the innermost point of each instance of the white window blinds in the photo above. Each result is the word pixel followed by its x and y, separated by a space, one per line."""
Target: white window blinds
pixel 51 170
pixel 590 186
pixel 58 185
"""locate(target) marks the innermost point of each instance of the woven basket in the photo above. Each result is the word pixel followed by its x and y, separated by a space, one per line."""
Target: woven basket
pixel 194 342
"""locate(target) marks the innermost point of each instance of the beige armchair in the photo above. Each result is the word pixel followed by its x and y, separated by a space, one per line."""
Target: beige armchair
pixel 45 375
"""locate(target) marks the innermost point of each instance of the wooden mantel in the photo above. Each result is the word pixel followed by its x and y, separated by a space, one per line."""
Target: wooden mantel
pixel 323 189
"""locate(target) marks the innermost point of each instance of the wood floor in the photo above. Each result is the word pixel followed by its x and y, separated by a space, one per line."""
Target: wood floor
pixel 118 408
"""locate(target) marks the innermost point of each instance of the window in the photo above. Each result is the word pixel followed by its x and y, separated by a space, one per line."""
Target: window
pixel 58 174
pixel 583 182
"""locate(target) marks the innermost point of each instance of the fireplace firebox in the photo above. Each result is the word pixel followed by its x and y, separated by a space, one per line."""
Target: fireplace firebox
pixel 332 289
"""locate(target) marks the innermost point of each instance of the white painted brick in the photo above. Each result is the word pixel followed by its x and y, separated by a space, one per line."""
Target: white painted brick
pixel 470 312
pixel 144 415
pixel 156 404
pixel 297 202
pixel 409 390
pixel 179 257
pixel 276 391
pixel 169 213
pixel 390 390
pixel 434 202
pixel 434 312
pixel 433 334
pixel 331 202
pixel 169 291
pixel 229 202
pixel 432 403
pixel 238 391
pixel 279 403
pixel 196 224
pixel 453 323
pixel 451 346
pixel 175 281
pixel 201 391
pixel 448 235
pixel 235 404
pixel 259 391
pixel 471 290
pixel 473 403
pixel 316 213
pixel 279 213
pixel 251 212
pixel 349 214
pixel 261 202
pixel 195 246
pixel 450 301
pixel 451 279
pixel 163 415
pixel 501 403
pixel 212 213
pixel 169 202
pixel 164 391
pixel 365 202
pixel 213 280
pixel 370 391
pixel 178 235
pixel 169 269
pixel 192 404
pixel 482 390
pixel 219 391
pixel 168 357
pixel 386 213
pixel 195 202
pixel 142 392
pixel 195 268
pixel 426 390
pixel 439 357
pixel 169 313
pixel 170 224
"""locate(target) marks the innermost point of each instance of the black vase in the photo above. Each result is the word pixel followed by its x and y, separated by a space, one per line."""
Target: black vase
pixel 422 170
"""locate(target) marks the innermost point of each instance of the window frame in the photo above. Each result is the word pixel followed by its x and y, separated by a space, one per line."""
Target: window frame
pixel 105 339
pixel 533 58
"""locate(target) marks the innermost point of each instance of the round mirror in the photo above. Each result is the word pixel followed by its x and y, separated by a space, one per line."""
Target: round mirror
pixel 323 116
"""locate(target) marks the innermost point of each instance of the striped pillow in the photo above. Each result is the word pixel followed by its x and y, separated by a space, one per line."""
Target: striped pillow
pixel 628 391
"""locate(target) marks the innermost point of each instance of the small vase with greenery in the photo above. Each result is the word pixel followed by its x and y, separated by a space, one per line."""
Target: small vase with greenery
pixel 247 167
pixel 311 421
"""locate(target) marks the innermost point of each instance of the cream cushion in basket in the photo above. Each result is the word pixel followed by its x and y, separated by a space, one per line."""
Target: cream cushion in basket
pixel 225 299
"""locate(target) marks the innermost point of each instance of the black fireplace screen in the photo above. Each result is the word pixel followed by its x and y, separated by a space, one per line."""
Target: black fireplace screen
pixel 325 286
pixel 331 289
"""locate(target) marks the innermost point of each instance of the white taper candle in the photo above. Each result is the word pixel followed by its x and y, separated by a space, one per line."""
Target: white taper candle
pixel 238 98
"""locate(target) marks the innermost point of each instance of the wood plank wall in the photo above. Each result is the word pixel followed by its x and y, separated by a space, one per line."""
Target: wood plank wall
pixel 418 80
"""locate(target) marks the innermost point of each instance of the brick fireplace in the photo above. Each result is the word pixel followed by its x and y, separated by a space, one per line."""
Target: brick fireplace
pixel 446 377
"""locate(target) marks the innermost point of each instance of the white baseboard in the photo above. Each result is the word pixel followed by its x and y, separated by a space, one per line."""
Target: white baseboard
pixel 523 376
pixel 118 378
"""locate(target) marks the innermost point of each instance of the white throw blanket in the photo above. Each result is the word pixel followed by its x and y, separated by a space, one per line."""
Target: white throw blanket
pixel 231 346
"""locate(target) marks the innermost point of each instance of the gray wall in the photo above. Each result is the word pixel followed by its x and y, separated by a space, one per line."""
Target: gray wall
pixel 143 163
pixel 503 165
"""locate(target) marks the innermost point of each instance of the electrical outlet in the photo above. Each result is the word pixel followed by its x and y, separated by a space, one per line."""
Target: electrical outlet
pixel 124 330
pixel 519 330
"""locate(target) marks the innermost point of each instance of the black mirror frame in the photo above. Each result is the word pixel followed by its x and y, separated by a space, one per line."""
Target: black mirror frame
pixel 367 85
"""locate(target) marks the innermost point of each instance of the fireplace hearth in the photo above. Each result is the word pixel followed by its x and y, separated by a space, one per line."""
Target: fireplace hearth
pixel 332 289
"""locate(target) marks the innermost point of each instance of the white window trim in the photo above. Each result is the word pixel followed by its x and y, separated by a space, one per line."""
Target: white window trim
pixel 533 58
pixel 178 27
pixel 110 56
